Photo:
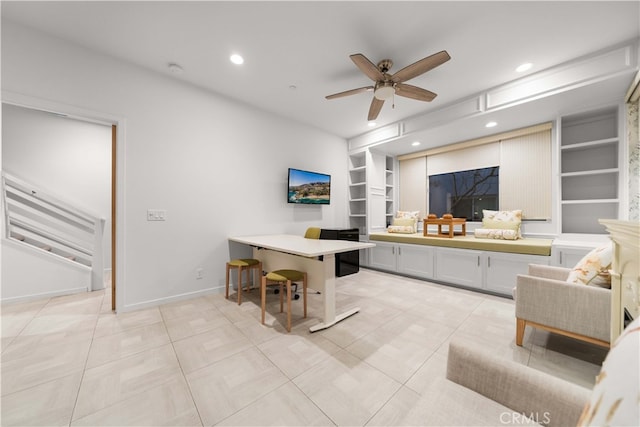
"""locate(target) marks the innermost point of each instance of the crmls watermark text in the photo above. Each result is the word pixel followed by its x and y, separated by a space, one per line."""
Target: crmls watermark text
pixel 518 418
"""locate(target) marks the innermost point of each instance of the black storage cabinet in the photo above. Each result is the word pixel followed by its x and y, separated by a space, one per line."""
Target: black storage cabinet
pixel 346 262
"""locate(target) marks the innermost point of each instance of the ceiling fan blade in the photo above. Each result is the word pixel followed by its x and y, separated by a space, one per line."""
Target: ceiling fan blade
pixel 421 67
pixel 414 92
pixel 367 67
pixel 374 110
pixel 350 92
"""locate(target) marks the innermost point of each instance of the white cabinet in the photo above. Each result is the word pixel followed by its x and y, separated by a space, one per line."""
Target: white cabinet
pixel 383 256
pixel 590 158
pixel 568 256
pixel 459 266
pixel 489 271
pixel 416 260
pixel 502 268
pixel 412 260
pixel 568 249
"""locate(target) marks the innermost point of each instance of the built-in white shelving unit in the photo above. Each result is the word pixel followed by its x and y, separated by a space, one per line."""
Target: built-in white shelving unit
pixel 371 191
pixel 390 186
pixel 590 170
pixel 358 191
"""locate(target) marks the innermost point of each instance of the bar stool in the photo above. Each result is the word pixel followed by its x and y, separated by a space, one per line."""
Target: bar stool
pixel 244 264
pixel 284 277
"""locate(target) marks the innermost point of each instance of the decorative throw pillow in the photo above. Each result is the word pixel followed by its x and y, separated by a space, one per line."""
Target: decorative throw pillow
pixel 413 215
pixel 614 399
pixel 402 229
pixel 593 268
pixel 495 233
pixel 508 218
pixel 403 221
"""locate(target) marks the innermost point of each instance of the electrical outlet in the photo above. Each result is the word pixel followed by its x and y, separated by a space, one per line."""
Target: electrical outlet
pixel 199 273
pixel 156 215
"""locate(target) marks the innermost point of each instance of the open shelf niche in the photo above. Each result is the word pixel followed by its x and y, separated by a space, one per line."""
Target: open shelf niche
pixel 590 170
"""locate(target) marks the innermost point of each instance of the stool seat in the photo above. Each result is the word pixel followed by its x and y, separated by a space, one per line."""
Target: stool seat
pixel 284 277
pixel 243 264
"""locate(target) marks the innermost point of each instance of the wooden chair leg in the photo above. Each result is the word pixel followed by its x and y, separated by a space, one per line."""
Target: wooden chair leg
pixel 281 297
pixel 288 305
pixel 520 325
pixel 226 293
pixel 304 294
pixel 263 295
pixel 239 285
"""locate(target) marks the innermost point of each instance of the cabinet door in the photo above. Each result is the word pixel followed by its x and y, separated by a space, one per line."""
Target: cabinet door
pixel 565 256
pixel 383 256
pixel 459 266
pixel 415 260
pixel 502 269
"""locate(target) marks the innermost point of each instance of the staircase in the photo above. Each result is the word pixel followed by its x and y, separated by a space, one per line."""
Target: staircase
pixel 48 224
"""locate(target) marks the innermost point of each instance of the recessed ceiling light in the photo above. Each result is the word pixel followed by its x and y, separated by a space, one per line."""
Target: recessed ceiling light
pixel 175 68
pixel 491 124
pixel 371 123
pixel 415 143
pixel 236 59
pixel 524 67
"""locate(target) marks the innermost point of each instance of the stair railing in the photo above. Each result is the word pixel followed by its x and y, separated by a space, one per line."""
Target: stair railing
pixel 36 218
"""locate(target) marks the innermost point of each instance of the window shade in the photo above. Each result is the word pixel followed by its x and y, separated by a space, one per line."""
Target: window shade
pixel 525 175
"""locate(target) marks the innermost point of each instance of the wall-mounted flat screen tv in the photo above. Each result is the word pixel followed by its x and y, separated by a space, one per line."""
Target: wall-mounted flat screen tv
pixel 311 188
pixel 464 194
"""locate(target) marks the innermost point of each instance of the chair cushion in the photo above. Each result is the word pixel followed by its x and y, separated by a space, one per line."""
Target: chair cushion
pixel 593 268
pixel 244 262
pixel 284 275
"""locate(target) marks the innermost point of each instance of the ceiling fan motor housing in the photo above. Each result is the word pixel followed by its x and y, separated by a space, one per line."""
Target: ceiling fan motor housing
pixel 385 65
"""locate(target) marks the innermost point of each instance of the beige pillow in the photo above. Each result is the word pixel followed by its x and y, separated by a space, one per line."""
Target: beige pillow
pixel 514 216
pixel 412 216
pixel 495 233
pixel 403 221
pixel 500 225
pixel 593 268
pixel 408 214
pixel 402 229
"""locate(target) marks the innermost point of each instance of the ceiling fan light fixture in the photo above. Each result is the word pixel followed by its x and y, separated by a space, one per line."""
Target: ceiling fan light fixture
pixel 384 91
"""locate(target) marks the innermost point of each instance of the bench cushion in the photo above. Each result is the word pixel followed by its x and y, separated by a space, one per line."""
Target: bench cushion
pixel 528 246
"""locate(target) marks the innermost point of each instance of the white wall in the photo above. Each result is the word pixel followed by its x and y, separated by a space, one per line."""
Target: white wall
pixel 216 166
pixel 67 158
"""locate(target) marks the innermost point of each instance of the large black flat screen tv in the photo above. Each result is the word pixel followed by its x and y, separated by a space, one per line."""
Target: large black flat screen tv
pixel 464 194
pixel 310 188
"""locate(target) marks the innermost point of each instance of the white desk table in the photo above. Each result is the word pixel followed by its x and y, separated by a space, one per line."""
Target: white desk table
pixel 315 256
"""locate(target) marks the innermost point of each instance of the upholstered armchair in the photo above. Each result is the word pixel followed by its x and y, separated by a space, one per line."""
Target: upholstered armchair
pixel 546 301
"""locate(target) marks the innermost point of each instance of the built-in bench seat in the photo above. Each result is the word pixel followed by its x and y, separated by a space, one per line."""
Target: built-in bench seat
pixel 527 246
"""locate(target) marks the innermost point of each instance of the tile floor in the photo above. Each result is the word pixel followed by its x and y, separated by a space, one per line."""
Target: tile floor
pixel 207 361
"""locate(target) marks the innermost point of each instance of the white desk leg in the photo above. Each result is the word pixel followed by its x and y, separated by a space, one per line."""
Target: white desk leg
pixel 329 297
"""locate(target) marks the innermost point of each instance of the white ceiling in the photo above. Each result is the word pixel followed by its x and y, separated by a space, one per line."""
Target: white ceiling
pixel 307 45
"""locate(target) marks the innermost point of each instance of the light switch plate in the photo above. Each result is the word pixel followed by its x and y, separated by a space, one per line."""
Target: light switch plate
pixel 156 215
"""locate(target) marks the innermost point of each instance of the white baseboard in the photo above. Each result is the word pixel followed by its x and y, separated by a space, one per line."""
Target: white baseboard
pixel 57 293
pixel 173 298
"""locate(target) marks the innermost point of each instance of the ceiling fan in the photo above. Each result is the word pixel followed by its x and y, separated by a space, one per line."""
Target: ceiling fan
pixel 387 85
